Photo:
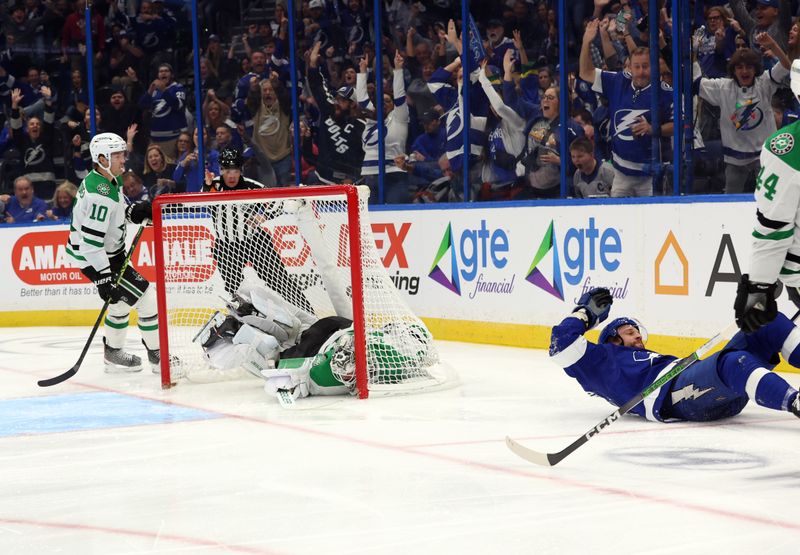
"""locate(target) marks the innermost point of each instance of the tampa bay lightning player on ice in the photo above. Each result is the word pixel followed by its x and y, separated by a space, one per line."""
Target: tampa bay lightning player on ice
pixel 619 366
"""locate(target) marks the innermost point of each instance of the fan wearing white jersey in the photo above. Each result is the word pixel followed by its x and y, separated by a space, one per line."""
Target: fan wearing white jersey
pixel 395 113
pixel 97 243
pixel 776 236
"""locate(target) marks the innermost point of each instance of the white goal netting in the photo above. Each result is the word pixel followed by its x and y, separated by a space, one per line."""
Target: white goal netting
pixel 300 244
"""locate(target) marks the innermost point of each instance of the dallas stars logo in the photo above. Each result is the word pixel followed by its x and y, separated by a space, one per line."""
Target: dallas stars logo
pixel 782 144
pixel 103 189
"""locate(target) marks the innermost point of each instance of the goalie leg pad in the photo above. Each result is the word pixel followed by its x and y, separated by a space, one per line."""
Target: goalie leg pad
pixel 265 345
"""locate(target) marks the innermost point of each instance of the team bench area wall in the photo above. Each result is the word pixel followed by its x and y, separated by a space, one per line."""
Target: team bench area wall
pixel 500 274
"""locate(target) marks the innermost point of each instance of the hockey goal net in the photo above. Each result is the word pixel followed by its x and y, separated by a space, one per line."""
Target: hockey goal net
pixel 311 245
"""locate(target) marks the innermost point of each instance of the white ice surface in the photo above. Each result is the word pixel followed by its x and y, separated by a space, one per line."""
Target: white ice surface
pixel 414 474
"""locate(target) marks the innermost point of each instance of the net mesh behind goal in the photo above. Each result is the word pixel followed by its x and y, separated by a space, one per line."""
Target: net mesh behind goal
pixel 313 246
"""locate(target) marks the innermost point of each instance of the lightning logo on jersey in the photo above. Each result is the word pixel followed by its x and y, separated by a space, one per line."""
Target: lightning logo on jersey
pixel 690 392
pixel 624 119
pixel 747 115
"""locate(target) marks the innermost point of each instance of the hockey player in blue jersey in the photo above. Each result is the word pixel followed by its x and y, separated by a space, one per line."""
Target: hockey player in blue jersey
pixel 619 366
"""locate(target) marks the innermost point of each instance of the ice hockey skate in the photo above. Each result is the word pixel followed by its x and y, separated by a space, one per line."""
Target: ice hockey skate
pixel 154 358
pixel 118 361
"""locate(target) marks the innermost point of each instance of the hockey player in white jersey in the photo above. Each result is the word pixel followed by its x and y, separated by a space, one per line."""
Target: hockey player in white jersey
pixel 97 243
pixel 775 253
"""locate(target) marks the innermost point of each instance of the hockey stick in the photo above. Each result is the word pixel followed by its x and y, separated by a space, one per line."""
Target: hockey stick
pixel 552 459
pixel 74 370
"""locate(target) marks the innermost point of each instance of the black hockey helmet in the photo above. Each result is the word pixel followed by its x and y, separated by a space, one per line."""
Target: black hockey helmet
pixel 230 158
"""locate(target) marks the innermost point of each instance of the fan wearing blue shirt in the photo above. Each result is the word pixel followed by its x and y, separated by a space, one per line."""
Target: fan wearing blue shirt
pixel 24 207
pixel 632 131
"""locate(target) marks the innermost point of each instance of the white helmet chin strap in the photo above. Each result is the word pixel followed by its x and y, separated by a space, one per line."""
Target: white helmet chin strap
pixel 107 169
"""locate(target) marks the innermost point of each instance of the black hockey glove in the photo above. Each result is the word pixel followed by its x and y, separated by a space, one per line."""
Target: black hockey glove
pixel 596 304
pixel 755 304
pixel 141 212
pixel 107 289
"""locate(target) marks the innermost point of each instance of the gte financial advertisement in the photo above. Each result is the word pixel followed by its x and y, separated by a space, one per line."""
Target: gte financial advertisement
pixel 673 265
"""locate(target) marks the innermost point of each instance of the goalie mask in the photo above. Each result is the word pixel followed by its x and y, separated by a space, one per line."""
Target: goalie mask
pixel 611 330
pixel 395 349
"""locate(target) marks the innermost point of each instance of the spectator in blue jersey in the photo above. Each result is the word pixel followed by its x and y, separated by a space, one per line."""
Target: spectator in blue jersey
pixel 629 105
pixel 24 206
pixel 498 43
pixel 188 175
pixel 716 42
pixel 133 188
pixel 166 101
pixel 430 144
pixel 154 31
pixel 35 143
pixel 60 207
pixel 619 366
pixel 592 178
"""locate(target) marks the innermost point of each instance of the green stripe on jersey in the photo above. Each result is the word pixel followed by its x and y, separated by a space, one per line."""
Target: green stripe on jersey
pixel 774 236
pixel 73 255
pixel 114 325
pixel 95 243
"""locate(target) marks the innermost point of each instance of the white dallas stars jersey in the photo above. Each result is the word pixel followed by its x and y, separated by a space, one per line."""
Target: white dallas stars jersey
pixel 776 239
pixel 97 230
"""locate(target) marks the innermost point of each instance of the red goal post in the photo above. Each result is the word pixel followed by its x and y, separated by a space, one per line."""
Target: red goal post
pixel 318 240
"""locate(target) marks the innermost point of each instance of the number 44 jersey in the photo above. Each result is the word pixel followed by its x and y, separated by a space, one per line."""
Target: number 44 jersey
pixel 97 230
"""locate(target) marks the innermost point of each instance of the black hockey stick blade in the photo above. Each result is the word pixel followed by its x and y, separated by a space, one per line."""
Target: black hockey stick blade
pixel 60 378
pixel 552 459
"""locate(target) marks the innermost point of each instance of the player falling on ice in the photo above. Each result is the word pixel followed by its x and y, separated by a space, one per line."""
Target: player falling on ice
pixel 619 366
pixel 298 354
pixel 97 243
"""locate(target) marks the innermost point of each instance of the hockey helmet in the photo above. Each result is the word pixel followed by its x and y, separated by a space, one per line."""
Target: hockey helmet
pixel 230 158
pixel 794 78
pixel 610 331
pixel 105 144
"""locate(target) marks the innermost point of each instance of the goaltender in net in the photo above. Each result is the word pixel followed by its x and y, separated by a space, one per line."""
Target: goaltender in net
pixel 298 354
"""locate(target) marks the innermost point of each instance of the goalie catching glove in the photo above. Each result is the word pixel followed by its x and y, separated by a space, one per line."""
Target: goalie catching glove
pixel 593 306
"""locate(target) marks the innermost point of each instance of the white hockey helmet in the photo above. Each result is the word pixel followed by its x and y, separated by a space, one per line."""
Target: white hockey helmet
pixel 105 144
pixel 794 77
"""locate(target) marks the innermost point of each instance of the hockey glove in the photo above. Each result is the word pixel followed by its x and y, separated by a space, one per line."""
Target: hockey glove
pixel 755 304
pixel 140 212
pixel 107 289
pixel 596 304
